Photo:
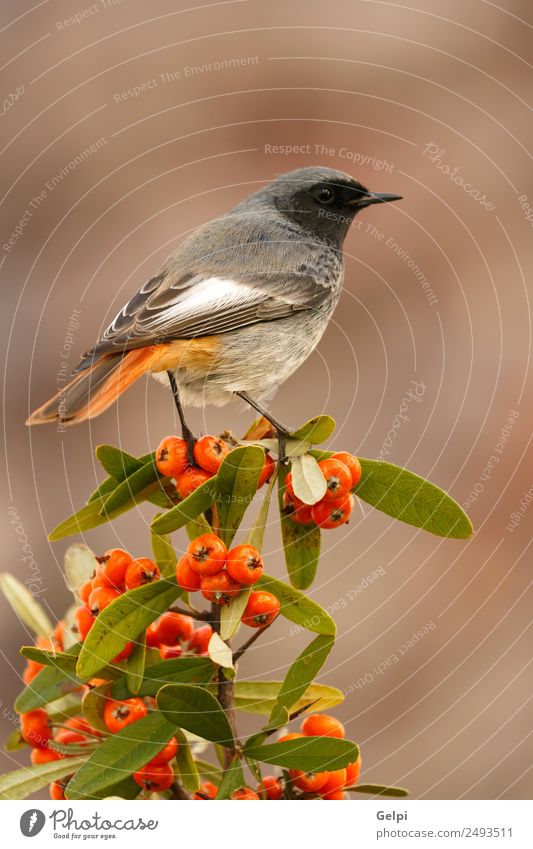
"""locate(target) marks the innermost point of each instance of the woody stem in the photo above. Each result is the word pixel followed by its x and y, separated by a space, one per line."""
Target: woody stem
pixel 225 691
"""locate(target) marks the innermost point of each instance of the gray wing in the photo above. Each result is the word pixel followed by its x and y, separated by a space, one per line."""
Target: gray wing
pixel 194 305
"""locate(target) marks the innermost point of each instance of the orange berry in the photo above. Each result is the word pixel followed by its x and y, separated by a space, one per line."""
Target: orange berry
pixel 173 627
pixel 261 610
pixel 267 470
pixel 190 480
pixel 187 578
pixel 111 571
pixel 151 636
pixel 332 514
pixel 119 713
pixel 206 790
pixel 352 772
pixel 140 572
pixel 334 784
pixel 168 652
pixel 199 641
pixel 244 793
pixel 44 756
pixel 220 588
pixel 296 510
pixel 209 451
pixel 124 654
pixel 100 598
pixel 352 463
pixel 271 787
pixel 85 590
pixel 338 479
pixel 288 485
pixel 207 555
pixel 32 669
pixel 59 634
pixel 35 728
pixel 171 456
pixel 155 778
pixel 292 736
pixel 244 564
pixel 84 621
pixel 322 725
pixel 166 754
pixel 57 790
pixel 309 782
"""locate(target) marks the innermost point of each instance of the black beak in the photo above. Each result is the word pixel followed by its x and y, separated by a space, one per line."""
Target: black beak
pixel 375 197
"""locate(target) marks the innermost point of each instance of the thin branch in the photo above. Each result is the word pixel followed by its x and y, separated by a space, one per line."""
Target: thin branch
pixel 225 691
pixel 239 653
pixel 202 615
pixel 178 792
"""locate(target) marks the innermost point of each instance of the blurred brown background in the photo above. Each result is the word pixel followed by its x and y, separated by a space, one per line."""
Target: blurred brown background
pixel 409 98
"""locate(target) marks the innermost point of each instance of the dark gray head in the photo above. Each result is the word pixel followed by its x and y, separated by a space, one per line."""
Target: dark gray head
pixel 322 199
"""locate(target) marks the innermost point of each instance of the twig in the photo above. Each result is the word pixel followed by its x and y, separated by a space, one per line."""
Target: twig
pixel 178 792
pixel 239 653
pixel 225 692
pixel 202 615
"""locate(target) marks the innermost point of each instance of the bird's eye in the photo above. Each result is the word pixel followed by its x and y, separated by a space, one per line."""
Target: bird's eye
pixel 324 194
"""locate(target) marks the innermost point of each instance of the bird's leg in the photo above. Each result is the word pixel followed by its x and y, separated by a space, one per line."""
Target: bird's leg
pixel 283 432
pixel 186 432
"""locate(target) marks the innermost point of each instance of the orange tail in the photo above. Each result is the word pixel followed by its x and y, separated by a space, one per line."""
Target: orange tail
pixel 94 390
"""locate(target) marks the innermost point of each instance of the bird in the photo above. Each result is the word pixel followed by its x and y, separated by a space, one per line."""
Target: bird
pixel 235 310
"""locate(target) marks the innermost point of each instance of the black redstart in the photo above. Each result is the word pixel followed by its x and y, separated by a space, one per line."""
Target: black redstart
pixel 236 309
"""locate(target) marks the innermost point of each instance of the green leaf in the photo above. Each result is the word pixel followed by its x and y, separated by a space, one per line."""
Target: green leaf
pixel 297 607
pixel 93 705
pixel 194 505
pixel 118 464
pixel 408 497
pixel 219 652
pixel 50 684
pixel 379 790
pixel 126 491
pixel 214 773
pixel 308 482
pixel 301 675
pixel 60 660
pixel 236 486
pixel 231 614
pixel 25 606
pixel 79 564
pixel 232 779
pixel 188 772
pixel 23 782
pixel 260 696
pixel 14 742
pixel 135 665
pixel 177 670
pixel 301 545
pixel 121 755
pixel 122 621
pixel 164 554
pixel 310 754
pixel 316 430
pixel 195 709
pixel 197 527
pixel 256 533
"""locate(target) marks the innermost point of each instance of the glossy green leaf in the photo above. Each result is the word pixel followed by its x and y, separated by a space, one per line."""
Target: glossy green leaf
pixel 308 482
pixel 25 606
pixel 120 755
pixel 60 660
pixel 126 491
pixel 298 607
pixel 188 773
pixel 232 779
pixel 231 614
pixel 93 705
pixel 208 770
pixel 135 665
pixel 30 779
pixel 260 697
pixel 117 463
pixel 122 621
pixel 379 790
pixel 164 554
pixel 301 546
pixel 197 710
pixel 300 675
pixel 408 497
pixel 316 430
pixel 197 527
pixel 51 683
pixel 236 487
pixel 194 505
pixel 177 670
pixel 310 754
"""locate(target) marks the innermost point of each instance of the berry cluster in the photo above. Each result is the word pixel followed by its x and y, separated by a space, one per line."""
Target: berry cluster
pixel 342 472
pixel 221 574
pixel 172 460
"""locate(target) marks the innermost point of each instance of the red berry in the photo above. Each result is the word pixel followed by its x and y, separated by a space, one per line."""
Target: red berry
pixel 124 654
pixel 267 470
pixel 296 510
pixel 155 778
pixel 309 782
pixel 173 627
pixel 209 451
pixel 119 713
pixel 220 588
pixel 352 463
pixel 84 621
pixel 100 598
pixel 111 571
pixel 85 590
pixel 332 514
pixel 352 772
pixel 199 641
pixel 190 480
pixel 187 578
pixel 35 728
pixel 261 610
pixel 44 756
pixel 166 754
pixel 244 793
pixel 271 787
pixel 334 785
pixel 151 637
pixel 57 789
pixel 171 456
pixel 322 725
pixel 207 555
pixel 168 652
pixel 338 479
pixel 206 790
pixel 244 564
pixel 140 572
